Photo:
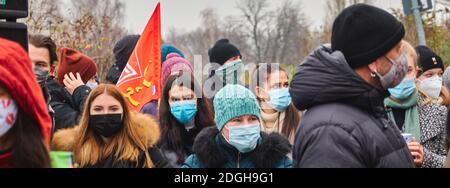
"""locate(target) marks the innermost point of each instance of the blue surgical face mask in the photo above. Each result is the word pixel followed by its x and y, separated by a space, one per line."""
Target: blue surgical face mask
pixel 244 137
pixel 184 111
pixel 280 99
pixel 231 73
pixel 405 89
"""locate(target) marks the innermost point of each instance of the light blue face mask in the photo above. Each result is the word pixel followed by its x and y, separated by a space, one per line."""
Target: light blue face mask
pixel 405 89
pixel 184 111
pixel 244 137
pixel 231 73
pixel 280 99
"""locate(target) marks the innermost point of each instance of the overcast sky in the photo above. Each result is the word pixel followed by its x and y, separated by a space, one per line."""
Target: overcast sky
pixel 184 14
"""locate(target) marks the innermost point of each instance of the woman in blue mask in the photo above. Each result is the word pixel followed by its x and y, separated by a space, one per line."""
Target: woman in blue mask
pixel 237 140
pixel 403 105
pixel 183 113
pixel 270 84
pixel 408 109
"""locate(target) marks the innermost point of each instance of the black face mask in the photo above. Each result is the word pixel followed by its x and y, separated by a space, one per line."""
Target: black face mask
pixel 106 125
pixel 41 75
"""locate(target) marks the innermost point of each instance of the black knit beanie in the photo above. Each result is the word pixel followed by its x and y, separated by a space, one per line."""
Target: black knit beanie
pixel 222 51
pixel 428 59
pixel 364 33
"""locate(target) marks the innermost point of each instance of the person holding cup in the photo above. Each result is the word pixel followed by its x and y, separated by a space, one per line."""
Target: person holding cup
pixel 402 106
pixel 416 113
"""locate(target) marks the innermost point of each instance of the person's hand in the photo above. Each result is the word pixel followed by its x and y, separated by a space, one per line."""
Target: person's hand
pixel 417 152
pixel 72 83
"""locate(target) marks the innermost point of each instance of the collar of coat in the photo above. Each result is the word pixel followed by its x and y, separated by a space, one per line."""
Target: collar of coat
pixel 148 129
pixel 211 153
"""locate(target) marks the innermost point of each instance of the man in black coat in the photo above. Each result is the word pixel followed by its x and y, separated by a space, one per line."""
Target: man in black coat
pixel 70 88
pixel 343 87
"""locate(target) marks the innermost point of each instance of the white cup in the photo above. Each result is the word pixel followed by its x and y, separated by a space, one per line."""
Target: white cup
pixel 408 137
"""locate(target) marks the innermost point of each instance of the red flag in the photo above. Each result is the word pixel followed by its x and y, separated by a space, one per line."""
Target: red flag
pixel 140 80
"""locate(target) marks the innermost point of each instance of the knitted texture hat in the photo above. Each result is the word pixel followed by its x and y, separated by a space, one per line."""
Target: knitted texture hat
pixel 174 64
pixel 17 77
pixel 167 49
pixel 73 61
pixel 234 101
pixel 222 51
pixel 364 33
pixel 428 59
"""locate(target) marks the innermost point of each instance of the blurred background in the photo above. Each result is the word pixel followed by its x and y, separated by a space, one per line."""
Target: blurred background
pixel 266 31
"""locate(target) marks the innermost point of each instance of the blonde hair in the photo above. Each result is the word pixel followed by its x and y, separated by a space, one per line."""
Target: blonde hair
pixel 445 95
pixel 410 51
pixel 126 145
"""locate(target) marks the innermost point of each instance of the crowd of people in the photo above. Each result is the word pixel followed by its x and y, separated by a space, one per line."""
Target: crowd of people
pixel 351 104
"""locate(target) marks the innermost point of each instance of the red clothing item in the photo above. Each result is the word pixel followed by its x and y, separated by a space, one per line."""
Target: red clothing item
pixel 5 160
pixel 72 61
pixel 17 77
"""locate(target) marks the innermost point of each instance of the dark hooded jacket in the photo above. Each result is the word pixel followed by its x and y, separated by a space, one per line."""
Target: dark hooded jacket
pixel 212 151
pixel 345 124
pixel 122 52
pixel 67 108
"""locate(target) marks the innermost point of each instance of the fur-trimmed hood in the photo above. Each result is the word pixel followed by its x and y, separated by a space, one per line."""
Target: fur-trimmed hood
pixel 271 149
pixel 64 140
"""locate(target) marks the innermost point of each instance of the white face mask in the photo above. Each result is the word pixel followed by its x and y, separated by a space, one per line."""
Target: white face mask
pixel 432 86
pixel 92 85
pixel 8 115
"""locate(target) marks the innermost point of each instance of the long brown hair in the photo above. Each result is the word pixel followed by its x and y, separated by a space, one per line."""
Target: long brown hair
pixel 170 127
pixel 126 145
pixel 292 118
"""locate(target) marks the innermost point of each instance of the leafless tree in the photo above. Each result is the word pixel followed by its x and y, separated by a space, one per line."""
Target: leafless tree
pixel 256 15
pixel 332 9
pixel 287 43
pixel 44 16
pixel 90 26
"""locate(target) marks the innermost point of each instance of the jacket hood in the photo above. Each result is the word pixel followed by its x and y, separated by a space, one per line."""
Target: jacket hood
pixel 148 129
pixel 123 50
pixel 325 77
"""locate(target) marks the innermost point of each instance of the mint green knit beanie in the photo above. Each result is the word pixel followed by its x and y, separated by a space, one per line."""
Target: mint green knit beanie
pixel 234 101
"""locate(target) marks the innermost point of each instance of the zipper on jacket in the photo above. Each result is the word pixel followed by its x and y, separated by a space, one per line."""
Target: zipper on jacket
pixel 239 160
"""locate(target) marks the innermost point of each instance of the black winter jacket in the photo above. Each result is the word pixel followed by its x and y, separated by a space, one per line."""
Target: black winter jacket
pixel 345 124
pixel 67 107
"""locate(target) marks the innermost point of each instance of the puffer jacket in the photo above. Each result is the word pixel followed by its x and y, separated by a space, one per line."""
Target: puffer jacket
pixel 346 125
pixel 67 108
pixel 212 151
